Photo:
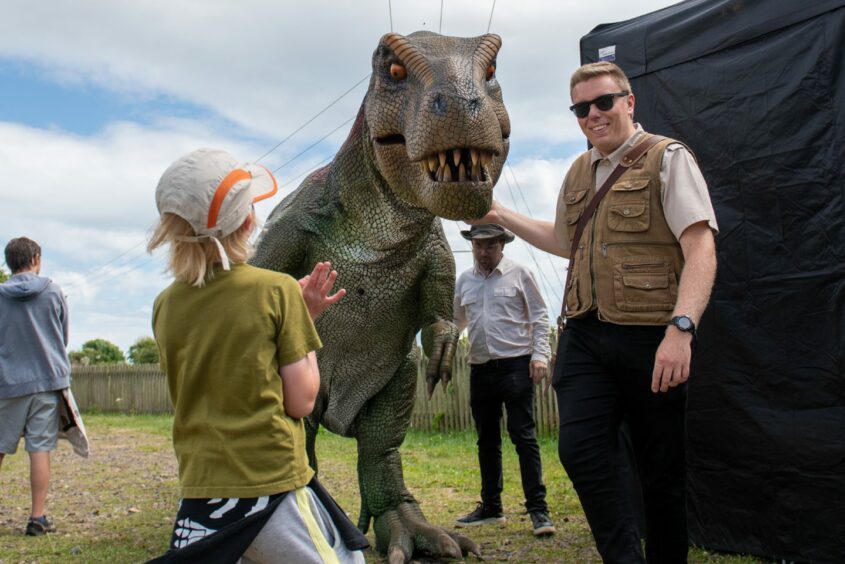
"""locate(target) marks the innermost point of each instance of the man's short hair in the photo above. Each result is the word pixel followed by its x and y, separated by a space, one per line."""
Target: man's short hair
pixel 20 253
pixel 594 70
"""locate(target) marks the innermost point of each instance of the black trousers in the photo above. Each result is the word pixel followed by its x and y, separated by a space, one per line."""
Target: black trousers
pixel 508 382
pixel 605 379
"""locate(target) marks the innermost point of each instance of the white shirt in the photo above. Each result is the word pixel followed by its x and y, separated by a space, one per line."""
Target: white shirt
pixel 504 311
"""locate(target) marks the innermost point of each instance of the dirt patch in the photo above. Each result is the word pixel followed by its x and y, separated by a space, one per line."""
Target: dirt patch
pixel 126 493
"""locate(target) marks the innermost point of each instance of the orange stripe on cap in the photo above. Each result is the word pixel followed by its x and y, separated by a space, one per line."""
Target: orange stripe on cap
pixel 220 193
pixel 271 192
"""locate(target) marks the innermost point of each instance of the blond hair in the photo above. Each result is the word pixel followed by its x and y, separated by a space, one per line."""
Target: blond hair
pixel 594 70
pixel 193 262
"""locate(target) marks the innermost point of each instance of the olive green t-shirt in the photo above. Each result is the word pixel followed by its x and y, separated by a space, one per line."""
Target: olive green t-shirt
pixel 221 347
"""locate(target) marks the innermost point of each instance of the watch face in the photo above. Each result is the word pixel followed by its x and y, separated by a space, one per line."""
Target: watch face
pixel 683 323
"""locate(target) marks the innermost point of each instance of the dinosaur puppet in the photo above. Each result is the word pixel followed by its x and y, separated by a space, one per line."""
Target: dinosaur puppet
pixel 429 141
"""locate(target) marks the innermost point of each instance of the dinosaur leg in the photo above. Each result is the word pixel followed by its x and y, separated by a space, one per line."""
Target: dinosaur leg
pixel 400 526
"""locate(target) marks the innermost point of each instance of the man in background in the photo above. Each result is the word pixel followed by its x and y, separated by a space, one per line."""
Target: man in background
pixel 501 304
pixel 34 367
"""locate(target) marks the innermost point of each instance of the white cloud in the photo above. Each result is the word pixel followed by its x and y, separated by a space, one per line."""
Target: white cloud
pixel 268 65
pixel 258 70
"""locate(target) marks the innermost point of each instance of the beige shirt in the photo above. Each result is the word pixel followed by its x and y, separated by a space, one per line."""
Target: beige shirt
pixel 504 311
pixel 685 202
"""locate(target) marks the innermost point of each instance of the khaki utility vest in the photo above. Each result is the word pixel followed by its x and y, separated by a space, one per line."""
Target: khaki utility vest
pixel 628 262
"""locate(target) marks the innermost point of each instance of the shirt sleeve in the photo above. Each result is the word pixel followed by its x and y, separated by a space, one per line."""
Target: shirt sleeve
pixel 561 231
pixel 297 335
pixel 684 191
pixel 538 317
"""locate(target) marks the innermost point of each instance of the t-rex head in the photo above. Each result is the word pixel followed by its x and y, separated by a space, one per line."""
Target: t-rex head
pixel 438 126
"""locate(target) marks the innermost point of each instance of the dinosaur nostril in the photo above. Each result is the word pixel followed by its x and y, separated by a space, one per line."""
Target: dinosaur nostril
pixel 438 104
pixel 474 104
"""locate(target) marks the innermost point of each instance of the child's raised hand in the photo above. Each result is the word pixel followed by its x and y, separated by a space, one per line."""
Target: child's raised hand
pixel 316 287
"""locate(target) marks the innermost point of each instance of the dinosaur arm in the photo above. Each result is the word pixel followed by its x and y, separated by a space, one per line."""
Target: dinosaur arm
pixel 439 332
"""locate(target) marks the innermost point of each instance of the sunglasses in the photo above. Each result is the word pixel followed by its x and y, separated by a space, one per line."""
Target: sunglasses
pixel 603 103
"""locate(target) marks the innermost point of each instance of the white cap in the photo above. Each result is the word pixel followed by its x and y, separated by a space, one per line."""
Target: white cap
pixel 211 191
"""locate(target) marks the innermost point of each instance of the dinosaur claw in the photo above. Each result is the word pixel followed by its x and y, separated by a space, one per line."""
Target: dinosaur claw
pixel 448 547
pixel 468 545
pixel 397 556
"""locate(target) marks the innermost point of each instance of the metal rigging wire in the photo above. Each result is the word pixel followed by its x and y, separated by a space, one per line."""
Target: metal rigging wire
pixel 491 16
pixel 318 114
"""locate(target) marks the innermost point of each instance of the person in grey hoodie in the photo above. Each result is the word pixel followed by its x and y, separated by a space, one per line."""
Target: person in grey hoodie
pixel 34 368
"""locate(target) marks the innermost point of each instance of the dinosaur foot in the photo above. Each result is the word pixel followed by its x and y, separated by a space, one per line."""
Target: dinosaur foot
pixel 402 531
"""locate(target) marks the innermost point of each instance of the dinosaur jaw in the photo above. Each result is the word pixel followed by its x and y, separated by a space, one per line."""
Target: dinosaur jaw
pixel 458 165
pixel 453 184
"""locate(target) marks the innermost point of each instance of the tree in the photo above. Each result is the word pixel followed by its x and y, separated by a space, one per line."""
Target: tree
pixel 3 275
pixel 144 351
pixel 98 351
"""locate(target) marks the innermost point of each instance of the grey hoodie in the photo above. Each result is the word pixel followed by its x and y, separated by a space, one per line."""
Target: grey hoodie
pixel 33 336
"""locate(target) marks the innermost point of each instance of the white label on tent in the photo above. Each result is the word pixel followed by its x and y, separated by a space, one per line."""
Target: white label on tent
pixel 607 53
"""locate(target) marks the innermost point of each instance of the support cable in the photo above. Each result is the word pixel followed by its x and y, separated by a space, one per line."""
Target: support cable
pixel 301 127
pixel 440 27
pixel 491 16
pixel 528 209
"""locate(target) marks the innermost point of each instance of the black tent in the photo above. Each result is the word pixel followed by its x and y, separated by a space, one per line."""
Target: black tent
pixel 757 89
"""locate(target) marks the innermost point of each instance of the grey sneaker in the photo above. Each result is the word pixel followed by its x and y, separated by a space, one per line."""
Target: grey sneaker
pixel 542 524
pixel 482 515
pixel 37 526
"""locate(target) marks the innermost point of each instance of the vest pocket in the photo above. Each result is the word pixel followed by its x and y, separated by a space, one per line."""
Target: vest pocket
pixel 628 207
pixel 645 283
pixel 628 217
pixel 575 203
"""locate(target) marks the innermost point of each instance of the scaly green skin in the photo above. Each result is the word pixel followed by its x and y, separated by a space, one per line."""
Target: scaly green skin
pixel 373 212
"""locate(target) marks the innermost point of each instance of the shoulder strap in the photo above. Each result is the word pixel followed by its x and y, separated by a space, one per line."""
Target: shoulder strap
pixel 633 155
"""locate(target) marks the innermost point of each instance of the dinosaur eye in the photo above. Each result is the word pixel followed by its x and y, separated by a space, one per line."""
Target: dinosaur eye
pixel 491 71
pixel 398 72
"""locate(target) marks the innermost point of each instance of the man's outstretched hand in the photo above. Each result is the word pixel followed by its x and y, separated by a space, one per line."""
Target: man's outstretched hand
pixel 316 287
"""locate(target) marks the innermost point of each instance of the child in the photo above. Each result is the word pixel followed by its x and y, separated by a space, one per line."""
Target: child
pixel 226 332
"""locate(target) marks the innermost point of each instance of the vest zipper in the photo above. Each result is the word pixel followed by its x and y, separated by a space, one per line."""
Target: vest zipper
pixel 604 246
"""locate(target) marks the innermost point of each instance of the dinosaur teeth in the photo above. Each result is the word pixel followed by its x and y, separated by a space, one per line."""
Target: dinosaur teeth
pixel 457 165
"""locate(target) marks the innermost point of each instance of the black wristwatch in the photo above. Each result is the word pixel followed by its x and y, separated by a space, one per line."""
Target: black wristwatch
pixel 684 323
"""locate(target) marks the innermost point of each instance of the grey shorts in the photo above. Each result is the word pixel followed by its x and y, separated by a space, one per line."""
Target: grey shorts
pixel 35 416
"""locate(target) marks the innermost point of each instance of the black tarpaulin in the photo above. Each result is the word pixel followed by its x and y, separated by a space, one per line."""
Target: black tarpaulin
pixel 757 90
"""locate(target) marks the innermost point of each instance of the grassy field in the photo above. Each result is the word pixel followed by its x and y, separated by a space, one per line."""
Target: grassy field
pixel 118 505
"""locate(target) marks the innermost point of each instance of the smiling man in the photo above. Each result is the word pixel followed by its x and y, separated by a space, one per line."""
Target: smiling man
pixel 642 264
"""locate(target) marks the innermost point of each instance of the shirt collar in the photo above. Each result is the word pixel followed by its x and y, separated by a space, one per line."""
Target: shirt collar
pixel 616 155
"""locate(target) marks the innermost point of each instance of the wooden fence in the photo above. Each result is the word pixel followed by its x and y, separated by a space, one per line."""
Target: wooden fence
pixel 123 388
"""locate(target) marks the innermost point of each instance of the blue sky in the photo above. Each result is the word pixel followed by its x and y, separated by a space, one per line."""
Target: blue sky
pixel 97 98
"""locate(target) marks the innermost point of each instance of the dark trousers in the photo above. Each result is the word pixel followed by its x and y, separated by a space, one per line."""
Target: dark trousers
pixel 508 382
pixel 605 379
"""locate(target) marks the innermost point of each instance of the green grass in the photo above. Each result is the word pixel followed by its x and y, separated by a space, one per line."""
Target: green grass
pixel 118 505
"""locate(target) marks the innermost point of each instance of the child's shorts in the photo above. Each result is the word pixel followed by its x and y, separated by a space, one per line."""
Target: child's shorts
pixel 35 416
